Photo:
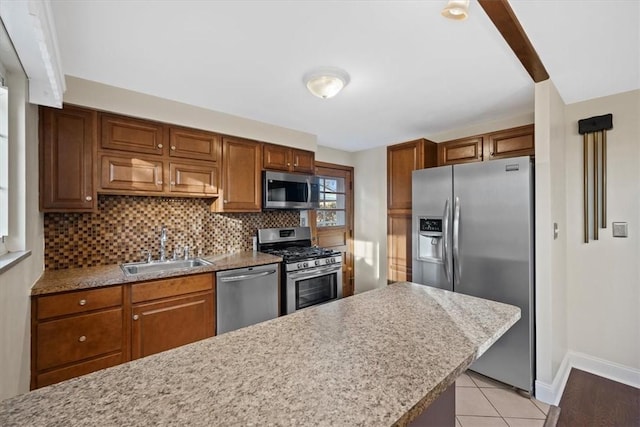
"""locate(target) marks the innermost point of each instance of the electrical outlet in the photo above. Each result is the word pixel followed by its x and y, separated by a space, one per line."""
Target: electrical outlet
pixel 620 229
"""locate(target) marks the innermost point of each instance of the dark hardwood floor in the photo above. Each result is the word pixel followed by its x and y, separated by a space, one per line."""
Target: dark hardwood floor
pixel 590 400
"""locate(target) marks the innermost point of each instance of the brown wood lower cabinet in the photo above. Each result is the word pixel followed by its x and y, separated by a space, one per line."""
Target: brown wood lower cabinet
pixel 171 312
pixel 170 323
pixel 76 333
pixel 399 247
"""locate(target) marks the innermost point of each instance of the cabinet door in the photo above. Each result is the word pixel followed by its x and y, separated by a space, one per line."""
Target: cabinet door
pixel 241 187
pixel 130 174
pixel 67 144
pixel 465 150
pixel 399 247
pixel 276 157
pixel 133 135
pixel 197 178
pixel 303 161
pixel 194 144
pixel 510 143
pixel 402 159
pixel 167 324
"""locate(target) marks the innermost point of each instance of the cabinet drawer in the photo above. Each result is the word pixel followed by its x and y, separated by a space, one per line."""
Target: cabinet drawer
pixel 83 368
pixel 79 337
pixel 170 287
pixel 78 302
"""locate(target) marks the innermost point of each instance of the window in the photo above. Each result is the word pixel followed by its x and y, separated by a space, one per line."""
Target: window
pixel 332 211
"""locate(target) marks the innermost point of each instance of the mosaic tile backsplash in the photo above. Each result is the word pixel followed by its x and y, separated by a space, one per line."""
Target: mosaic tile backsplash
pixel 124 225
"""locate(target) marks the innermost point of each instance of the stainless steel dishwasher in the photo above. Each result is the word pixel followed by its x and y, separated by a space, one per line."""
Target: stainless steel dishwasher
pixel 246 296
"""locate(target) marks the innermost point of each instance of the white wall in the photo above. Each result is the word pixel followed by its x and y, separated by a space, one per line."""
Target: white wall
pixel 370 200
pixel 331 155
pixel 26 229
pixel 109 98
pixel 551 321
pixel 604 275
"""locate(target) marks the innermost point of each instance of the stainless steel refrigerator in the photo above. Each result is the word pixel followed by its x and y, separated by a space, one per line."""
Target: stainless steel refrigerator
pixel 473 233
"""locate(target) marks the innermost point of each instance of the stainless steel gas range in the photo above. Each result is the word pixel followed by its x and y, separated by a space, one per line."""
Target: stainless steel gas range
pixel 311 275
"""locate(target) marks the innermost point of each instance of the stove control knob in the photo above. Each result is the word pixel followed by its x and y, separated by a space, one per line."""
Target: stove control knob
pixel 305 265
pixel 333 260
pixel 299 265
pixel 317 262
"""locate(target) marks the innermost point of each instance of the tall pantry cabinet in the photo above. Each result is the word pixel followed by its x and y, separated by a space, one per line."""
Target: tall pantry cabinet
pixel 402 159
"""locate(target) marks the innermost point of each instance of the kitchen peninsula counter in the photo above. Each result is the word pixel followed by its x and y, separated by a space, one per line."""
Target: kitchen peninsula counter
pixel 73 279
pixel 375 359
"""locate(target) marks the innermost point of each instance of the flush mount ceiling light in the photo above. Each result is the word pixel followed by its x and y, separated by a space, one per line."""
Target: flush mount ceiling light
pixel 326 82
pixel 457 10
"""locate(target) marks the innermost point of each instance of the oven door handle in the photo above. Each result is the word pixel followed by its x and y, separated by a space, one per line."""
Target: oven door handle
pixel 315 273
pixel 246 276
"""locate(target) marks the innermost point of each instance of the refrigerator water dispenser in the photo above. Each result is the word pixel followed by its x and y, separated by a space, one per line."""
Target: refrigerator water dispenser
pixel 430 242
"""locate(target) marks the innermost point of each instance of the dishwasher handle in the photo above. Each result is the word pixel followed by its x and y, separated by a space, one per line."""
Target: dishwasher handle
pixel 246 276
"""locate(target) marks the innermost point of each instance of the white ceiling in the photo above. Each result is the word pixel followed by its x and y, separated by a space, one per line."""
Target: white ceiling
pixel 413 73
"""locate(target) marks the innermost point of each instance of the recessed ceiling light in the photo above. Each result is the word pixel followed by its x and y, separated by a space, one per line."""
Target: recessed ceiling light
pixel 326 82
pixel 457 10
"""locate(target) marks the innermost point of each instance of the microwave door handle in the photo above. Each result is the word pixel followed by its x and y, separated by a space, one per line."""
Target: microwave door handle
pixel 308 195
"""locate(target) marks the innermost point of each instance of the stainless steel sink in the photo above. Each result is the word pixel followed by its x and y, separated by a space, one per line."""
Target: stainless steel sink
pixel 134 268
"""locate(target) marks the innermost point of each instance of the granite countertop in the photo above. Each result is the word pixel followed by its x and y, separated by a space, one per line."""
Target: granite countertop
pixel 374 359
pixel 53 281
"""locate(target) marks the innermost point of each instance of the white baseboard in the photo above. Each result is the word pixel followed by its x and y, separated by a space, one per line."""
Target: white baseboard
pixel 551 393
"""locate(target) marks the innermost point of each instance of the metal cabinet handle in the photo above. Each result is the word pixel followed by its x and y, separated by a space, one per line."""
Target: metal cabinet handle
pixel 88 198
pixel 225 201
pixel 160 145
pixel 173 147
pixel 82 302
pixel 82 338
pixel 158 182
pixel 288 164
pixel 173 183
pixel 136 317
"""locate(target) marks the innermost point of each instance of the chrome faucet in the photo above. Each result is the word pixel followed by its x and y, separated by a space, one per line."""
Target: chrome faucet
pixel 163 240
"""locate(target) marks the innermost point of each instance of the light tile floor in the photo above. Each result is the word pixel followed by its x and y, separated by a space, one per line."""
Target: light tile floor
pixel 481 402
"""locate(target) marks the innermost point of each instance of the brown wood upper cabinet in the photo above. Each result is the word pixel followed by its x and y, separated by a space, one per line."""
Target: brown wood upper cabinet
pixel 464 150
pixel 512 142
pixel 194 144
pixel 241 181
pixel 278 157
pixel 67 171
pixel 402 159
pixel 128 134
pixel 200 178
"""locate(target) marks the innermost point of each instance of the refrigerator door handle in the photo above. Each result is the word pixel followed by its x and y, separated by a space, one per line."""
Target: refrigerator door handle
pixel 456 242
pixel 445 242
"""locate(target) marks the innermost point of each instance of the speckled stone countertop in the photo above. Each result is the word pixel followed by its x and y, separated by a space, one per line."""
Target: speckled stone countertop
pixel 374 359
pixel 53 281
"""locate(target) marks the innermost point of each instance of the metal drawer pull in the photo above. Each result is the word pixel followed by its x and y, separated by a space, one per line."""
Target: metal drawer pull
pixel 88 198
pixel 82 338
pixel 82 302
pixel 159 145
pixel 136 317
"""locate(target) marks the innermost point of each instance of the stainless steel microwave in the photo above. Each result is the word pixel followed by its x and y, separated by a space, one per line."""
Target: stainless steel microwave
pixel 290 191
